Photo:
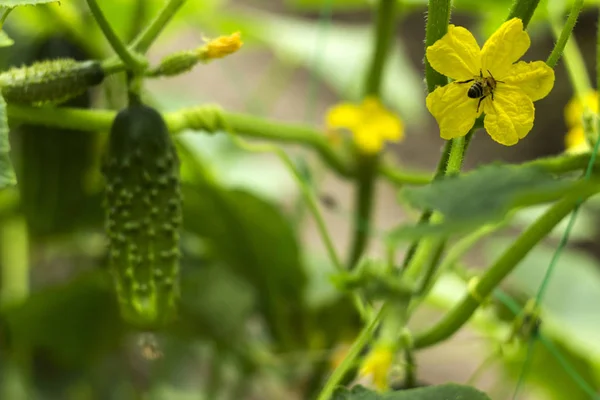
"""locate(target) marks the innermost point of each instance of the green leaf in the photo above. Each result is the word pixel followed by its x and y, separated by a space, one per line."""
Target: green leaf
pixel 7 173
pixel 5 40
pixel 75 323
pixel 482 196
pixel 258 244
pixel 449 391
pixel 15 3
pixel 344 53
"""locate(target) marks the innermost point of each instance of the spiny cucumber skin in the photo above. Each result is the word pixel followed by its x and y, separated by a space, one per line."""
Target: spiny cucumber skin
pixel 51 81
pixel 143 216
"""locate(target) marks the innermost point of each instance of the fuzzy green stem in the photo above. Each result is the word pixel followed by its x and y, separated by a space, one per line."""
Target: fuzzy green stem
pixel 4 15
pixel 402 178
pixel 350 359
pixel 461 313
pixel 524 10
pixel 384 33
pixel 367 165
pixel 245 125
pixel 366 172
pixel 128 57
pixel 573 59
pixel 145 39
pixel 565 34
pixel 438 18
pixel 428 251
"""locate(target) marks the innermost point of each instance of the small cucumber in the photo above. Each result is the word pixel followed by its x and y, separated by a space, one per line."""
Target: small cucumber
pixel 50 81
pixel 143 215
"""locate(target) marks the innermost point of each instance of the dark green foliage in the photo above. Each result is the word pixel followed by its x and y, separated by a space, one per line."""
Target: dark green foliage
pixel 450 391
pixel 54 163
pixel 256 241
pixel 143 215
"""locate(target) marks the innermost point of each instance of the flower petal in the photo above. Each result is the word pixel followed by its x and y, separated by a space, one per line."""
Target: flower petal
pixel 454 111
pixel 504 47
pixel 367 140
pixel 509 117
pixel 456 54
pixel 575 141
pixel 344 115
pixel 536 78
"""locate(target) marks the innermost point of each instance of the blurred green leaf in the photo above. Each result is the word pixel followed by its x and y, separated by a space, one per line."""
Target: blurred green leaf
pixel 344 53
pixel 450 391
pixel 482 196
pixel 76 323
pixel 7 172
pixel 570 306
pixel 217 302
pixel 254 239
pixel 5 40
pixel 14 3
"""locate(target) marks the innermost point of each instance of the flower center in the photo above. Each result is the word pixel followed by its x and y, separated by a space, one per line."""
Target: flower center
pixel 481 87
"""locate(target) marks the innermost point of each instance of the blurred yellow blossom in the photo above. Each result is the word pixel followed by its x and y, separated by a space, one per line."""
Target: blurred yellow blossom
pixel 377 366
pixel 221 46
pixel 575 140
pixel 487 80
pixel 370 122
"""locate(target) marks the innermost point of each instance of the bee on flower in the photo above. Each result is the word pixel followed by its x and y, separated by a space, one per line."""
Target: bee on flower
pixel 488 81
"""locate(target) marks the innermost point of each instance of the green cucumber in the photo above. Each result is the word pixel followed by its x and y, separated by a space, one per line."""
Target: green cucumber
pixel 50 81
pixel 143 215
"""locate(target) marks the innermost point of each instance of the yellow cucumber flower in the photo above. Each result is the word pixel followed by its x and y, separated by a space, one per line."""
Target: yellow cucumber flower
pixel 377 366
pixel 487 80
pixel 575 140
pixel 221 46
pixel 370 122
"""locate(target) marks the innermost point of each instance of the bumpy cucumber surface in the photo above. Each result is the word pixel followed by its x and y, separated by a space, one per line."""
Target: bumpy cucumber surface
pixel 143 215
pixel 50 81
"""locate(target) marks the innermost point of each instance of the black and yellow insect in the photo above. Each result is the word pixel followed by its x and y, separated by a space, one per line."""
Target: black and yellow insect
pixel 482 87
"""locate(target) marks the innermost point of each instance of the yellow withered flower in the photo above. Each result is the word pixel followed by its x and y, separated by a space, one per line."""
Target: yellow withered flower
pixel 370 122
pixel 377 366
pixel 487 80
pixel 575 140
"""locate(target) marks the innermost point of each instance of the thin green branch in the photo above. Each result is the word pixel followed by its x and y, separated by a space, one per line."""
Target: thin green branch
pixel 367 165
pixel 461 313
pixel 384 33
pixel 128 57
pixel 565 34
pixel 524 10
pixel 145 39
pixel 438 18
pixel 353 353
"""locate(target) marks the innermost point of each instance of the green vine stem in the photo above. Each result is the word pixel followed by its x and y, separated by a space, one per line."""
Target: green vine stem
pixel 255 127
pixel 145 39
pixel 460 314
pixel 367 165
pixel 438 18
pixel 565 34
pixel 523 9
pixel 128 57
pixel 361 341
pixel 572 56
